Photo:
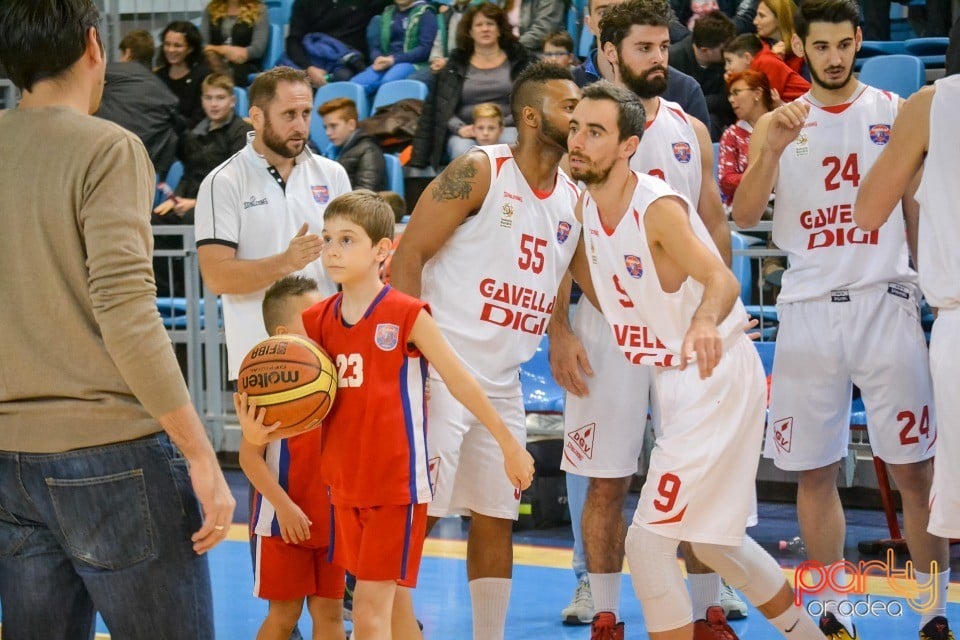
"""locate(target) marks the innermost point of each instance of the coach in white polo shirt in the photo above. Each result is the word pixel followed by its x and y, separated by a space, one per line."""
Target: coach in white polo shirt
pixel 258 214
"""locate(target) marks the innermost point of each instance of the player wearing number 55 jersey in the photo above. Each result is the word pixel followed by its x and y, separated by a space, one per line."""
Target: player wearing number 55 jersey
pixel 487 246
pixel 848 308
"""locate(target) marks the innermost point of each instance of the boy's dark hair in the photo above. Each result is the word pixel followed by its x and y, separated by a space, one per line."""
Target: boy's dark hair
pixel 560 39
pixel 264 87
pixel 365 209
pixel 41 39
pixel 713 29
pixel 744 43
pixel 194 40
pixel 396 202
pixel 834 11
pixel 140 45
pixel 617 21
pixel 529 86
pixel 464 41
pixel 631 117
pixel 274 306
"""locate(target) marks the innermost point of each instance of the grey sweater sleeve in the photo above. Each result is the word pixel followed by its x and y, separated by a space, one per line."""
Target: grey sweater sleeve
pixel 261 36
pixel 538 21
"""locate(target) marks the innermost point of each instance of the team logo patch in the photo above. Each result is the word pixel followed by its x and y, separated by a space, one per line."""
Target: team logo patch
pixel 506 215
pixel 634 267
pixel 563 231
pixel 387 336
pixel 880 134
pixel 321 195
pixel 681 151
pixel 582 439
pixel 433 469
pixel 783 434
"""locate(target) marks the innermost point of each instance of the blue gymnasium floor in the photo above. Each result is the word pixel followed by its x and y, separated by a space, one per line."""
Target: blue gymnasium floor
pixel 544 582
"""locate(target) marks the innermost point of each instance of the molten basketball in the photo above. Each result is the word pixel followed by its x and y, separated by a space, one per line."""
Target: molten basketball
pixel 292 377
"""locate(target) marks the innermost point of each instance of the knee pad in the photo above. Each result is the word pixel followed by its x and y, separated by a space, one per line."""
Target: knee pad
pixel 747 568
pixel 657 579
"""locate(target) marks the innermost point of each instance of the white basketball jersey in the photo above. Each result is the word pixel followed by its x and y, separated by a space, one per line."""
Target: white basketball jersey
pixel 493 285
pixel 820 173
pixel 670 151
pixel 939 197
pixel 628 286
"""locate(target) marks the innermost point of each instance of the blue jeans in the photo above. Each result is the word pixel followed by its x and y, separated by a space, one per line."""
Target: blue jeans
pixel 102 529
pixel 371 80
pixel 576 498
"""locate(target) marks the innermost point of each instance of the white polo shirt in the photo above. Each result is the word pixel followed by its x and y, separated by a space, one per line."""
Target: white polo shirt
pixel 244 204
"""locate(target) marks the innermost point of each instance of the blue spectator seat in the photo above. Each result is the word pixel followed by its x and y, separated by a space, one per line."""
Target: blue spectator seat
pixel 328 92
pixel 279 12
pixel 394 174
pixel 541 393
pixel 573 23
pixel 242 108
pixel 274 47
pixel 931 51
pixel 741 268
pixel 901 74
pixel 398 90
pixel 765 350
pixel 874 48
pixel 585 42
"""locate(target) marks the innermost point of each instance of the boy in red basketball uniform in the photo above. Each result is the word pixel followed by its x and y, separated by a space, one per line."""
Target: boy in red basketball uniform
pixel 374 455
pixel 290 514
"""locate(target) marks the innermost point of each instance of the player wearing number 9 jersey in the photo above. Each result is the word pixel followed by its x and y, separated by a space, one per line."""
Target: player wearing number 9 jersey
pixel 487 246
pixel 848 309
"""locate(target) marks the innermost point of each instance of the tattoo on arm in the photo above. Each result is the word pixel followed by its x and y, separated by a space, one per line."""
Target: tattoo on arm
pixel 455 183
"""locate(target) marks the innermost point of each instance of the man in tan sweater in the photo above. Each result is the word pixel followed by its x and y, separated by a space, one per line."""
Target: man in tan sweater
pixel 110 493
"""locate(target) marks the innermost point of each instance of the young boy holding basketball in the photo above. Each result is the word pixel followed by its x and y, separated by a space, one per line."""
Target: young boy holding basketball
pixel 374 438
pixel 290 514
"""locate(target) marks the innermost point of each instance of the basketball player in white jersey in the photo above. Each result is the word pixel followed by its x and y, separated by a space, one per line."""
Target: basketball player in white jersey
pixel 646 258
pixel 925 135
pixel 848 308
pixel 604 434
pixel 487 246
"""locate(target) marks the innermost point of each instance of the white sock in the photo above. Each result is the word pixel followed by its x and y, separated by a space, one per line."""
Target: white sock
pixel 605 588
pixel 833 598
pixel 795 624
pixel 490 597
pixel 704 592
pixel 937 604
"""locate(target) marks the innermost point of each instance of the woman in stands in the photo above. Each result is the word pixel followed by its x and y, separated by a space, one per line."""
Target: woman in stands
pixel 236 33
pixel 180 65
pixel 774 23
pixel 481 69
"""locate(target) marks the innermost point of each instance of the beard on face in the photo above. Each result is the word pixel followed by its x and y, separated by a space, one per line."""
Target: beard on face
pixel 640 83
pixel 823 82
pixel 552 133
pixel 590 175
pixel 279 145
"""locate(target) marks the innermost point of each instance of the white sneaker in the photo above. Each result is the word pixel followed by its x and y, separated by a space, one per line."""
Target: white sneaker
pixel 733 607
pixel 580 609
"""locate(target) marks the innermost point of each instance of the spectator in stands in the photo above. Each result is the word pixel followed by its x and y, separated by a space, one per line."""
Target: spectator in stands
pixel 396 202
pixel 741 12
pixel 359 154
pixel 700 55
pixel 138 101
pixel 180 65
pixel 481 69
pixel 953 50
pixel 774 23
pixel 681 88
pixel 236 33
pixel 217 137
pixel 487 123
pixel 539 18
pixel 747 51
pixel 400 42
pixel 750 97
pixel 448 18
pixel 558 49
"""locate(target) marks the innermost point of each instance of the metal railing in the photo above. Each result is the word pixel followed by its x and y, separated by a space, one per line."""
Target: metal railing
pixel 121 16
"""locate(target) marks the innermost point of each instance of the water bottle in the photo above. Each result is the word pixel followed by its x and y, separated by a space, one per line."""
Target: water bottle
pixel 794 546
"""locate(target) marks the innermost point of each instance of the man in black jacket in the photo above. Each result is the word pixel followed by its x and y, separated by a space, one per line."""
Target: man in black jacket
pixel 137 100
pixel 700 55
pixel 356 151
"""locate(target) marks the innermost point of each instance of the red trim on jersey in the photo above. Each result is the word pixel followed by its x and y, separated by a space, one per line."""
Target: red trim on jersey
pixel 543 195
pixel 838 108
pixel 500 162
pixel 676 518
pixel 679 112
